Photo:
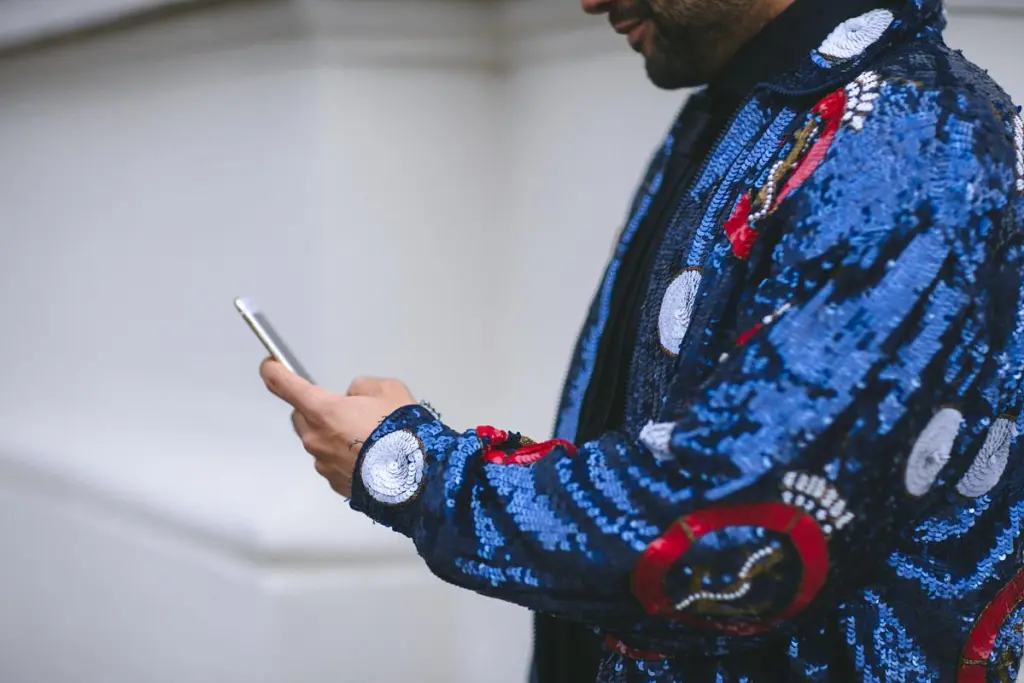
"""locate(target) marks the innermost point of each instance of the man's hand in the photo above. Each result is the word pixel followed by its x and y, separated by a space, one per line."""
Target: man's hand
pixel 333 428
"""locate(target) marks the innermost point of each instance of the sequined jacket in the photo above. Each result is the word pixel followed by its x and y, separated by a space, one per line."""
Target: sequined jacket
pixel 820 477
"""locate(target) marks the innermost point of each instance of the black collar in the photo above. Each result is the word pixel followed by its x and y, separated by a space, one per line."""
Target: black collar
pixel 785 43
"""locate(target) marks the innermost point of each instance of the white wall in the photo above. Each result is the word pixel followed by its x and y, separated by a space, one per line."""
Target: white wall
pixel 402 201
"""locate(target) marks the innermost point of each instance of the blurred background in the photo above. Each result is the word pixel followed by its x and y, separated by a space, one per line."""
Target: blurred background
pixel 425 189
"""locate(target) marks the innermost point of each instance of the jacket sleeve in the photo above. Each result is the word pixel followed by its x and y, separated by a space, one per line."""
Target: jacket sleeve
pixel 796 450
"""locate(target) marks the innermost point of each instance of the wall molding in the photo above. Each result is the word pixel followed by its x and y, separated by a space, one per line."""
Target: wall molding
pixel 399 32
pixel 486 33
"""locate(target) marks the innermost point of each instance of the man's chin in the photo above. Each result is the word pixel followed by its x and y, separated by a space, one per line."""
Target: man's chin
pixel 665 77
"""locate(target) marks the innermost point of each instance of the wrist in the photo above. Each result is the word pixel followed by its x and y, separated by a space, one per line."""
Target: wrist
pixel 390 470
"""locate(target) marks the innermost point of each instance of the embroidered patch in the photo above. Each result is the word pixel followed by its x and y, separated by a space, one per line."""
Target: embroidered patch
pixel 657 437
pixel 801 156
pixel 988 467
pixel 505 448
pixel 778 577
pixel 982 641
pixel 852 37
pixel 677 309
pixel 931 451
pixel 392 469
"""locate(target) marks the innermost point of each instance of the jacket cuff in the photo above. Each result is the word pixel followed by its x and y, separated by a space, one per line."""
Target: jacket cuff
pixel 390 472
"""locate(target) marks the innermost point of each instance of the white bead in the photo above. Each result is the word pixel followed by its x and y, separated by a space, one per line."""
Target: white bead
pixel 1018 137
pixel 817 487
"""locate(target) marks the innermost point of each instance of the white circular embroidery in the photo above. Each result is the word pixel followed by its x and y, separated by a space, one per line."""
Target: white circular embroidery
pixel 1018 138
pixel 860 99
pixel 988 467
pixel 392 470
pixel 853 36
pixel 657 437
pixel 676 309
pixel 932 450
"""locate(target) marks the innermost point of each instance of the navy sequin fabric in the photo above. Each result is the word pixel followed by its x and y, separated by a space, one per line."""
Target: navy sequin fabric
pixel 819 477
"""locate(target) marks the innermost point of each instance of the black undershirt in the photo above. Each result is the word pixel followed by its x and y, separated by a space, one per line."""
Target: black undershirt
pixel 565 652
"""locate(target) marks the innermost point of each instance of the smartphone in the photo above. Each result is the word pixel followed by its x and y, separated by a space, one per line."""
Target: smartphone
pixel 272 341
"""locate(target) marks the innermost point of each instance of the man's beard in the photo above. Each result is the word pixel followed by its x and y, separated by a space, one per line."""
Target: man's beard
pixel 683 56
pixel 690 41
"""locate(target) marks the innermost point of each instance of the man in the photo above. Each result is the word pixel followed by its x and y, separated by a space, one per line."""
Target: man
pixel 788 446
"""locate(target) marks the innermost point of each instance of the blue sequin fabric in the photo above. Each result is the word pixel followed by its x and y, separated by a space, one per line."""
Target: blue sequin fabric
pixel 820 475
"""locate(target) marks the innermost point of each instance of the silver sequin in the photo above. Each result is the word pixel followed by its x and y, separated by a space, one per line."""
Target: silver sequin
pixel 392 470
pixel 932 450
pixel 988 467
pixel 676 309
pixel 852 37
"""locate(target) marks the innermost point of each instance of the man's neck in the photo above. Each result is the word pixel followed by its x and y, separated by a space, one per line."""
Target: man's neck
pixel 796 27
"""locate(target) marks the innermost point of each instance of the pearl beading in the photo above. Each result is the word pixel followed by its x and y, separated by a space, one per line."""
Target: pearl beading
pixel 818 496
pixel 1018 139
pixel 773 179
pixel 744 588
pixel 392 468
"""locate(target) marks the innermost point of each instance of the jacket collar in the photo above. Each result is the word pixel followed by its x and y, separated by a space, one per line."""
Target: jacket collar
pixel 816 45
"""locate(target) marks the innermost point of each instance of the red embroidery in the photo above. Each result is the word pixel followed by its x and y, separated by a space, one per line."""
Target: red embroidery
pixel 831 111
pixel 982 640
pixel 803 532
pixel 801 162
pixel 502 448
pixel 746 336
pixel 616 645
pixel 491 437
pixel 738 229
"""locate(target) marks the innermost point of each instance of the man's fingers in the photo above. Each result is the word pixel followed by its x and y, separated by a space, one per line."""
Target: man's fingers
pixel 299 424
pixel 307 398
pixel 365 386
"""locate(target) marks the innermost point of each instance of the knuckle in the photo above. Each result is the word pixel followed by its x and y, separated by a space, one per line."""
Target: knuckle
pixel 312 445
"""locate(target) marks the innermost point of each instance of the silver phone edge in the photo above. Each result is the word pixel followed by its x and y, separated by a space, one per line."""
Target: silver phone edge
pixel 248 313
